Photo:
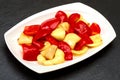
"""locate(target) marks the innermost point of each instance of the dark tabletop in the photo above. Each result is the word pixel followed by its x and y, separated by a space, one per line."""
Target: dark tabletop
pixel 105 65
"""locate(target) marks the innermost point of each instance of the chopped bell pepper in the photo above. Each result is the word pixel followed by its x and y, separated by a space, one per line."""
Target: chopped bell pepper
pixel 80 45
pixel 52 23
pixel 82 28
pixel 30 52
pixel 42 33
pixel 95 28
pixel 31 30
pixel 61 16
pixel 52 40
pixel 66 49
pixel 73 18
pixel 87 39
pixel 46 28
pixel 39 44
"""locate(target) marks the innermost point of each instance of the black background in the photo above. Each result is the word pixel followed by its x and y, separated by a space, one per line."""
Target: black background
pixel 104 65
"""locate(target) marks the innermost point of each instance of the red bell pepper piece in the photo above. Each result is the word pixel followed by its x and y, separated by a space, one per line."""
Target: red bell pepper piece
pixel 73 18
pixel 66 49
pixel 30 52
pixel 46 28
pixel 82 28
pixel 84 31
pixel 51 23
pixel 95 28
pixel 39 44
pixel 71 29
pixel 69 56
pixel 61 16
pixel 80 44
pixel 31 30
pixel 51 40
pixel 86 38
pixel 42 33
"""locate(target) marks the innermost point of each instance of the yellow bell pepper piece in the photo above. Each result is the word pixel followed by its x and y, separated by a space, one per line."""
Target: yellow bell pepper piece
pixel 72 39
pixel 80 52
pixel 25 39
pixel 97 40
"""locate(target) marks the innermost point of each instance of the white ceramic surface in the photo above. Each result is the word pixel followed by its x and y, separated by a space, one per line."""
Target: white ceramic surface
pixel 107 32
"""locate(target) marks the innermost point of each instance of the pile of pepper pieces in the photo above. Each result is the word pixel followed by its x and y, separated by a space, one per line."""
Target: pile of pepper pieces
pixel 41 33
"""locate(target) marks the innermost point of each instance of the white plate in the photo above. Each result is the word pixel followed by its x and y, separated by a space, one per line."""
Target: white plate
pixel 107 32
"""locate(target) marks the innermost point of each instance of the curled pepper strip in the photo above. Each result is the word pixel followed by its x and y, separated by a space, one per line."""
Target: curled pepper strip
pixel 58 58
pixel 80 52
pixel 97 41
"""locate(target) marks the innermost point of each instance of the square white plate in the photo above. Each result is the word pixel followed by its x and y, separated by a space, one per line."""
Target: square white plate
pixel 91 15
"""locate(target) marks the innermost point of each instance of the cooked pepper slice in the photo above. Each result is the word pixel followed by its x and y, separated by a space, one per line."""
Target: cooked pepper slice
pixel 73 18
pixel 30 52
pixel 42 33
pixel 39 44
pixel 66 49
pixel 80 44
pixel 87 39
pixel 52 40
pixel 52 23
pixel 31 30
pixel 82 28
pixel 61 16
pixel 95 28
pixel 46 28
